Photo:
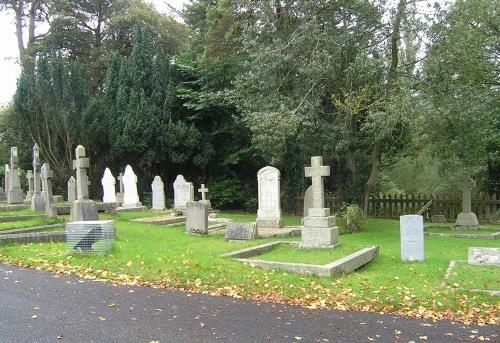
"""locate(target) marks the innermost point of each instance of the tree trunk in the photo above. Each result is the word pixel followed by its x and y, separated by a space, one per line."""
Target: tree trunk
pixel 375 160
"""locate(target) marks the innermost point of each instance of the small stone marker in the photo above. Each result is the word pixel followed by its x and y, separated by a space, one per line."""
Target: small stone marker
pixel 130 195
pixel 15 194
pixel 158 189
pixel 197 218
pixel 82 209
pixel 438 218
pixel 29 194
pixel 71 189
pixel 47 175
pixel 319 227
pixel 269 211
pixel 484 256
pixel 183 192
pixel 204 199
pixel 108 182
pixel 412 237
pixel 37 200
pixel 81 236
pixel 467 219
pixel 241 231
pixel 119 195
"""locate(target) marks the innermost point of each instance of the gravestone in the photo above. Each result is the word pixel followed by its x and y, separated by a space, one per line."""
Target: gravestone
pixel 241 231
pixel 308 200
pixel 319 226
pixel 6 179
pixel 269 211
pixel 183 192
pixel 412 237
pixel 204 199
pixel 15 194
pixel 29 194
pixel 119 195
pixel 484 256
pixel 196 218
pixel 82 209
pixel 467 219
pixel 130 196
pixel 108 182
pixel 47 175
pixel 95 237
pixel 158 190
pixel 2 194
pixel 71 189
pixel 438 218
pixel 37 201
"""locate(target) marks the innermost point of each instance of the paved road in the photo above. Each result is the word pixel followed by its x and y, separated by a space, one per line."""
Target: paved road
pixel 41 307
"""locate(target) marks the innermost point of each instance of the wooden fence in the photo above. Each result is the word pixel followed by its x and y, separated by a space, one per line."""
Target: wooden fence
pixel 394 205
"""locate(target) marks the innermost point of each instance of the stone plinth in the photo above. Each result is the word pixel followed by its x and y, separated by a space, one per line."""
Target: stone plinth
pixel 466 221
pixel 412 237
pixel 82 210
pixel 196 218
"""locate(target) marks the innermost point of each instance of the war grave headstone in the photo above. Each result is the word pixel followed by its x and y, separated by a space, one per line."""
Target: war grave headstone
pixel 130 196
pixel 119 195
pixel 37 200
pixel 71 189
pixel 108 182
pixel 82 209
pixel 269 211
pixel 158 190
pixel 412 237
pixel 47 175
pixel 241 231
pixel 29 194
pixel 196 218
pixel 96 237
pixel 183 193
pixel 319 226
pixel 15 194
pixel 203 190
pixel 467 219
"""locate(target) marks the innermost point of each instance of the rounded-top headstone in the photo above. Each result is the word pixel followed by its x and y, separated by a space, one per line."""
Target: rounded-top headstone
pixel 108 182
pixel 130 197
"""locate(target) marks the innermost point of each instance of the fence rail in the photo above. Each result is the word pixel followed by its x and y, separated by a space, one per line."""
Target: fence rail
pixel 395 205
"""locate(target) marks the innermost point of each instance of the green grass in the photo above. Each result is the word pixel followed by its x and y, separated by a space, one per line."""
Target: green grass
pixel 24 212
pixel 450 231
pixel 475 277
pixel 286 253
pixel 167 256
pixel 30 223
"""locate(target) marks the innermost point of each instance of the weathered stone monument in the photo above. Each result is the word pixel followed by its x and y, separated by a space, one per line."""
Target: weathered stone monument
pixel 183 192
pixel 196 218
pixel 130 195
pixel 484 256
pixel 71 189
pixel 158 189
pixel 467 219
pixel 108 182
pixel 269 211
pixel 37 200
pixel 29 194
pixel 203 190
pixel 15 194
pixel 308 200
pixel 412 237
pixel 119 195
pixel 6 179
pixel 319 226
pixel 241 231
pixel 82 208
pixel 47 175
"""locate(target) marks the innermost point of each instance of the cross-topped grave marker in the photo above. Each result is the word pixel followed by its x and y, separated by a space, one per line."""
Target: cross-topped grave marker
pixel 15 194
pixel 316 172
pixel 29 194
pixel 83 208
pixel 203 191
pixel 47 175
pixel 467 219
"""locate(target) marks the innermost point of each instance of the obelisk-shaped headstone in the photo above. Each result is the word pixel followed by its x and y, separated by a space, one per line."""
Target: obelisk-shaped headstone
pixel 83 209
pixel 319 227
pixel 158 189
pixel 46 176
pixel 29 195
pixel 15 194
pixel 108 182
pixel 71 189
pixel 37 200
pixel 467 219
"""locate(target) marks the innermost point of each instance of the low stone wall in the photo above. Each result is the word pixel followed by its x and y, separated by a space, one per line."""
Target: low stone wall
pixel 25 238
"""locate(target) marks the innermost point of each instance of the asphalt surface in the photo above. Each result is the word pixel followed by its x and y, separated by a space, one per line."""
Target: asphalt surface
pixel 42 307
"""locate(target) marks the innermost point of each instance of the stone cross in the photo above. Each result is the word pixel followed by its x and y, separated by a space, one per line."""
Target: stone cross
pixel 316 172
pixel 36 170
pixel 467 186
pixel 80 164
pixel 203 191
pixel 29 176
pixel 47 175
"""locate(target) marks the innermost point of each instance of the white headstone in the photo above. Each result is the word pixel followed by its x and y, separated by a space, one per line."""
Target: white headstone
pixel 412 237
pixel 130 196
pixel 269 212
pixel 158 190
pixel 108 182
pixel 484 256
pixel 183 192
pixel 71 189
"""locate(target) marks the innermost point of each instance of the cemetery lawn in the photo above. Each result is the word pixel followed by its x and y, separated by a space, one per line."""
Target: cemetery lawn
pixel 475 277
pixel 30 223
pixel 437 229
pixel 148 254
pixel 24 212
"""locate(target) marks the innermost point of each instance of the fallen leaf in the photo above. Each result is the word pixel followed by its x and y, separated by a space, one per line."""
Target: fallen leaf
pixel 34 316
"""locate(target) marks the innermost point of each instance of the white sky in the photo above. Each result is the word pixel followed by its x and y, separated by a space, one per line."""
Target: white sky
pixel 9 54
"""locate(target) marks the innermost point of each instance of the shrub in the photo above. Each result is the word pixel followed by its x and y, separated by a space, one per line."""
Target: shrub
pixel 349 218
